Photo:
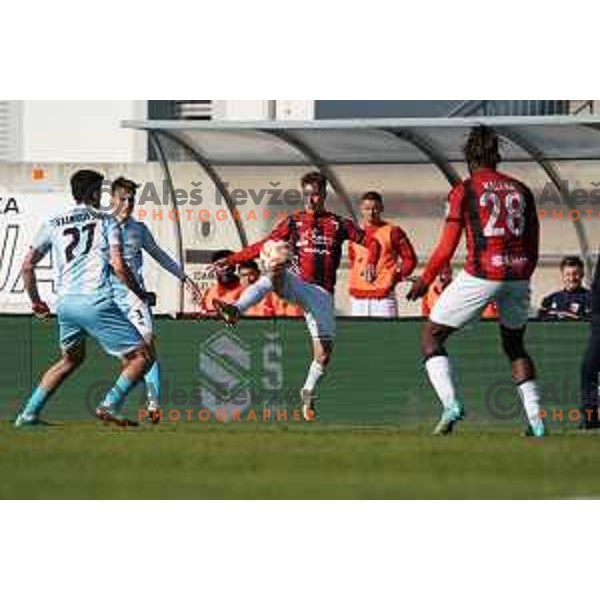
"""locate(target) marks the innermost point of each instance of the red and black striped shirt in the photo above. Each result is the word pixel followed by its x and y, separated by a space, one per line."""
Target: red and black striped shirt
pixel 316 240
pixel 499 216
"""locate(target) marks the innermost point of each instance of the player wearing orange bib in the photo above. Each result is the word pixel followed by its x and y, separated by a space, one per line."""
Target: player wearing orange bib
pixel 498 214
pixel 397 260
pixel 227 287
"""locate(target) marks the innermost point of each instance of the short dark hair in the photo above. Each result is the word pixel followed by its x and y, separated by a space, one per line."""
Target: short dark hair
pixel 482 148
pixel 372 195
pixel 86 186
pixel 219 254
pixel 249 264
pixel 571 261
pixel 124 184
pixel 314 178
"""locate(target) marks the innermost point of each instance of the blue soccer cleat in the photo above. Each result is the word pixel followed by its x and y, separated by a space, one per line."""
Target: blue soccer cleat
pixel 538 430
pixel 26 419
pixel 450 417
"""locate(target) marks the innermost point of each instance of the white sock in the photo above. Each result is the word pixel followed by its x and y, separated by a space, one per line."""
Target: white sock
pixel 529 393
pixel 439 370
pixel 315 372
pixel 254 293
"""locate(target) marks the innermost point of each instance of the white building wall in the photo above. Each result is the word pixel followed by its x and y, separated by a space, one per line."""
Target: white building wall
pixel 10 130
pixel 243 110
pixel 263 110
pixel 295 110
pixel 81 131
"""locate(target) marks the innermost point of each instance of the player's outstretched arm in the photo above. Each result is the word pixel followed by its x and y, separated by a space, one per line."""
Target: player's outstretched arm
pixel 39 307
pixel 405 252
pixel 169 264
pixel 39 248
pixel 160 256
pixel 442 255
pixel 446 247
pixel 281 232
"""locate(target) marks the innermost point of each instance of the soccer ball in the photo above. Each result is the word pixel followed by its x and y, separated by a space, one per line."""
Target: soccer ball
pixel 275 254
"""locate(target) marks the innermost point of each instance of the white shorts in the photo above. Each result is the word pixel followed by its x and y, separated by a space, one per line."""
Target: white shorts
pixel 375 307
pixel 317 302
pixel 465 298
pixel 137 312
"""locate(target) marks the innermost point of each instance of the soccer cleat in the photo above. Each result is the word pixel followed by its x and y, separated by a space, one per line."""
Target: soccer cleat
pixel 229 313
pixel 450 417
pixel 537 430
pixel 154 412
pixel 107 416
pixel 308 405
pixel 29 420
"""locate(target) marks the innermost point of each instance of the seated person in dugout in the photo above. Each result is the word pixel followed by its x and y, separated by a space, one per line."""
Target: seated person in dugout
pixel 573 302
pixel 227 287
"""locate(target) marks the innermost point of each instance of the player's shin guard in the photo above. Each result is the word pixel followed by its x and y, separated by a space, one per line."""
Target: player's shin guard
pixel 439 370
pixel 254 293
pixel 116 396
pixel 529 392
pixel 315 372
pixel 152 380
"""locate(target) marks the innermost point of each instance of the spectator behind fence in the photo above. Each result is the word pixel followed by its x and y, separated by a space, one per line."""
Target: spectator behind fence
pixel 227 287
pixel 573 302
pixel 397 260
pixel 440 283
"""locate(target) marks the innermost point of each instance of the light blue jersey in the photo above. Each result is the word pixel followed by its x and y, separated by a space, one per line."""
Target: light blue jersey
pixel 137 238
pixel 80 243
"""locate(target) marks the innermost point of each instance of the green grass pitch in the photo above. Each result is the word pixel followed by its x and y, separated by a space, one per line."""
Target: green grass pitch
pixel 89 460
pixel 372 441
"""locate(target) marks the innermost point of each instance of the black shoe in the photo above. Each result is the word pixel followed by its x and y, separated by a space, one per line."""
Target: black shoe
pixel 108 417
pixel 227 312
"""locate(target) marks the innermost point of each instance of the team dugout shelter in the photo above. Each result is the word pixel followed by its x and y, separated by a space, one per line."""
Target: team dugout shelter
pixel 413 162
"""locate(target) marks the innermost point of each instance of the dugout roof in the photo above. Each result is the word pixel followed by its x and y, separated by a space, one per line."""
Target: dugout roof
pixel 378 141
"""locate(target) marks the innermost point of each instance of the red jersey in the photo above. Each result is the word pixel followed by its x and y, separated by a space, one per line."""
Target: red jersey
pixel 316 241
pixel 499 216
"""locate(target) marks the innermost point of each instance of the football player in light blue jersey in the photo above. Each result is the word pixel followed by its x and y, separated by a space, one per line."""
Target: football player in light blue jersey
pixel 137 239
pixel 86 248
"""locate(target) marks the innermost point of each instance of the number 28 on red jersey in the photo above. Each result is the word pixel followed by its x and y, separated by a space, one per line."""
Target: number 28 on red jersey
pixel 499 215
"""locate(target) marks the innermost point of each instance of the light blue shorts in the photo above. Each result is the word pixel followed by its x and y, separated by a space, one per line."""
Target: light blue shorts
pixel 99 317
pixel 138 313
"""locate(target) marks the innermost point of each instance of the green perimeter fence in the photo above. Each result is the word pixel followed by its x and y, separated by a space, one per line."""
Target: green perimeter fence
pixel 256 369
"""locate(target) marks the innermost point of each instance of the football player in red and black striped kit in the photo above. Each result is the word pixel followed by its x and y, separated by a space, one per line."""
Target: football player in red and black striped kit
pixel 315 238
pixel 499 217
